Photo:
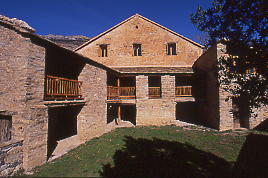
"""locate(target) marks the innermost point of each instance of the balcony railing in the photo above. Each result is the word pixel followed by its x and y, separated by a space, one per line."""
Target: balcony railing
pixel 154 92
pixel 62 88
pixel 183 91
pixel 118 93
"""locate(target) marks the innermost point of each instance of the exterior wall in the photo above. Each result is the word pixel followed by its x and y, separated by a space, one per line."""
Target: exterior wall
pixel 225 110
pixel 261 117
pixel 92 120
pixel 206 95
pixel 13 67
pixel 206 89
pixel 153 39
pixel 212 106
pixel 225 106
pixel 155 111
pixel 11 156
pixel 22 86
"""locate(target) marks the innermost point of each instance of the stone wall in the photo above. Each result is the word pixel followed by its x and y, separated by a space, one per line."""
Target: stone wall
pixel 225 110
pixel 259 118
pixel 11 157
pixel 92 120
pixel 155 111
pixel 13 66
pixel 212 105
pixel 153 39
pixel 22 89
pixel 206 89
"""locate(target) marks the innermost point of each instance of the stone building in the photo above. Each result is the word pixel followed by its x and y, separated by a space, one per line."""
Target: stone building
pixel 136 73
pixel 212 106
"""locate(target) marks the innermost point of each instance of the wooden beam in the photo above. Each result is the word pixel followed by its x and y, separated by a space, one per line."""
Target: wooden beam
pixel 118 114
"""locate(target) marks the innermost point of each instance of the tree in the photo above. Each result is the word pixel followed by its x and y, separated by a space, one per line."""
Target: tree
pixel 242 26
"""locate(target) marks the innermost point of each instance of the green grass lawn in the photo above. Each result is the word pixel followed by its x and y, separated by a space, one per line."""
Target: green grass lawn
pixel 166 151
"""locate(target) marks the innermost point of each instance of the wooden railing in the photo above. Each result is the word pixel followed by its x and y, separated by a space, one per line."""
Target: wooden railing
pixel 62 88
pixel 182 91
pixel 154 92
pixel 116 93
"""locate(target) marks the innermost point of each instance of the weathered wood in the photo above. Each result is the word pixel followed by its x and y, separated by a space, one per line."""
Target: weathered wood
pixel 183 91
pixel 5 128
pixel 116 93
pixel 154 92
pixel 118 114
pixel 62 87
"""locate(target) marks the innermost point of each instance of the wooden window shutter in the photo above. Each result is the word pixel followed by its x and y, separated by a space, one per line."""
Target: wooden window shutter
pixel 99 51
pixel 167 48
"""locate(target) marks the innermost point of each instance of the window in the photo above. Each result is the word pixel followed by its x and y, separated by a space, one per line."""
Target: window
pixel 5 128
pixel 171 49
pixel 103 51
pixel 136 49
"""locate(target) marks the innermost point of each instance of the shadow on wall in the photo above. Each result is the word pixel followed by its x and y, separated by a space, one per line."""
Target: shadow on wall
pixel 128 113
pixel 186 112
pixel 161 158
pixel 62 123
pixel 253 158
pixel 111 112
pixel 263 126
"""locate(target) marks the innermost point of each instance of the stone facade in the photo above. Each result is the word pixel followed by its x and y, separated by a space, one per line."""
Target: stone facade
pixel 153 39
pixel 259 116
pixel 160 111
pixel 22 89
pixel 92 119
pixel 215 105
pixel 11 157
pixel 26 59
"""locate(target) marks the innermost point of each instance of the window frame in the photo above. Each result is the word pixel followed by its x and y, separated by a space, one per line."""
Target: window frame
pixel 171 49
pixel 137 49
pixel 103 50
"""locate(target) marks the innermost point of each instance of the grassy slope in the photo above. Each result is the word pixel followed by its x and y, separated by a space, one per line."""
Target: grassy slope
pixel 89 158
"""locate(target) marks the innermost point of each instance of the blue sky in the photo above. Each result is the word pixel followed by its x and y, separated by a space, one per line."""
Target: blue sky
pixel 91 17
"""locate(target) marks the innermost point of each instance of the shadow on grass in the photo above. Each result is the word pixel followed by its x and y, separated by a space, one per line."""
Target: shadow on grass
pixel 253 158
pixel 162 158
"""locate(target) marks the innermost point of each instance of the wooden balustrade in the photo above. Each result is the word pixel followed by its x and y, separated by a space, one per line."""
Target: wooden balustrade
pixel 182 91
pixel 154 92
pixel 116 93
pixel 62 88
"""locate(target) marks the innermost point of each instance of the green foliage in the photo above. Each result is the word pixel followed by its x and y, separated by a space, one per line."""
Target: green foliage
pixel 242 26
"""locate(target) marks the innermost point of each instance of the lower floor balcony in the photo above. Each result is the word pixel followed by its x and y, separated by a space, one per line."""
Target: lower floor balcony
pixel 57 88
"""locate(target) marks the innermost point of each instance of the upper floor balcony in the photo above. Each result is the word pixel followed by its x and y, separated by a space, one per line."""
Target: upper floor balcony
pixel 119 93
pixel 57 88
pixel 183 91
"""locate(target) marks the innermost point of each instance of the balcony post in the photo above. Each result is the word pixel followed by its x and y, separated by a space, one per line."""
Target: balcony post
pixel 118 119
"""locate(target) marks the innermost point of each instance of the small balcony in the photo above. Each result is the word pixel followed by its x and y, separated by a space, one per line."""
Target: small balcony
pixel 57 88
pixel 183 91
pixel 154 92
pixel 120 93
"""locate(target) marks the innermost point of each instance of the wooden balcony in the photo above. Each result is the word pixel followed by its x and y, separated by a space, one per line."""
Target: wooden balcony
pixel 183 91
pixel 62 88
pixel 120 93
pixel 154 92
